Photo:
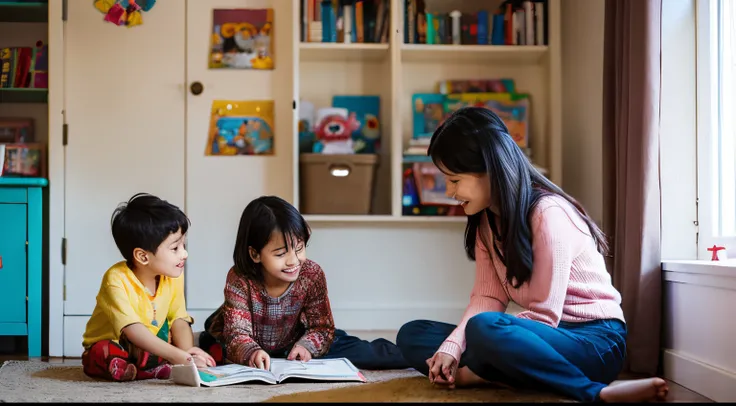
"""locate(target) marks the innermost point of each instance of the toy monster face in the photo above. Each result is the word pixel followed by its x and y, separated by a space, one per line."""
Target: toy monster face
pixel 334 128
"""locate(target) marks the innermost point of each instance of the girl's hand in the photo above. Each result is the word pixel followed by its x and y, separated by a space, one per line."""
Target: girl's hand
pixel 442 369
pixel 300 352
pixel 201 358
pixel 260 359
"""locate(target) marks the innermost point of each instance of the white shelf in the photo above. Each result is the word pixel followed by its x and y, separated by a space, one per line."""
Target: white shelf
pixel 329 218
pixel 499 54
pixel 325 52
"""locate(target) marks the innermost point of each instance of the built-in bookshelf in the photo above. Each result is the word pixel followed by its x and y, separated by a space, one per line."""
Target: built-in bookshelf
pixel 22 26
pixel 397 69
pixel 23 12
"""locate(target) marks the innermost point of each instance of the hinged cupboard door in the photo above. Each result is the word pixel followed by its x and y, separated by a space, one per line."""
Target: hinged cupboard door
pixel 13 262
pixel 125 110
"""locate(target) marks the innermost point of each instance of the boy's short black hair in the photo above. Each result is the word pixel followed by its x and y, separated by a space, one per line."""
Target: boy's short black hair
pixel 144 222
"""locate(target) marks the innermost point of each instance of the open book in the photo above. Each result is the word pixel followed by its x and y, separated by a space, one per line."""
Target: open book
pixel 336 369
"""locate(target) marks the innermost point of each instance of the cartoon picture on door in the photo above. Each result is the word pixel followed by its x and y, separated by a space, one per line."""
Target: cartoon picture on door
pixel 242 39
pixel 240 128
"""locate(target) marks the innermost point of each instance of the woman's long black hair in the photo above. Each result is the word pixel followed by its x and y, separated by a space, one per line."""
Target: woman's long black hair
pixel 475 140
pixel 260 218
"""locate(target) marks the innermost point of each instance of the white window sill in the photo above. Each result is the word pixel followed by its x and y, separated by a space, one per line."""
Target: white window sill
pixel 725 268
pixel 712 274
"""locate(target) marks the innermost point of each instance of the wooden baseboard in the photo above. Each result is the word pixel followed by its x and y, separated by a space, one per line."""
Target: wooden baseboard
pixel 707 380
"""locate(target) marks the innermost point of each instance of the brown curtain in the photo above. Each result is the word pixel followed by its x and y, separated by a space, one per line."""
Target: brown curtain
pixel 631 192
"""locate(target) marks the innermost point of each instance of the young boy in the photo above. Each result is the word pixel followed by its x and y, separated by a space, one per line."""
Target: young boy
pixel 140 325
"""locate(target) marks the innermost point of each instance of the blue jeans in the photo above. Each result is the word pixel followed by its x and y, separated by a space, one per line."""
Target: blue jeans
pixel 575 359
pixel 373 355
pixel 377 354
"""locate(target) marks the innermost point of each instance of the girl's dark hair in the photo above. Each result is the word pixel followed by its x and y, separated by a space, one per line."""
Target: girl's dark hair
pixel 260 218
pixel 476 140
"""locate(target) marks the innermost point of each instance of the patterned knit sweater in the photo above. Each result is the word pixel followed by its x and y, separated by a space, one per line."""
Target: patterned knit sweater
pixel 251 320
pixel 569 280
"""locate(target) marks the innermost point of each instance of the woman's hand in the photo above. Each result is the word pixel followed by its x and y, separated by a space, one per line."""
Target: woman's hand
pixel 442 369
pixel 201 358
pixel 300 352
pixel 260 359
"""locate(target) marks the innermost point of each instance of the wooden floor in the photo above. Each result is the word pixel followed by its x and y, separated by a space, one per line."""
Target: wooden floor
pixel 677 393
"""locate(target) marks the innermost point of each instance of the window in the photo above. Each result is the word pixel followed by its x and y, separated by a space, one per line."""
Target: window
pixel 716 115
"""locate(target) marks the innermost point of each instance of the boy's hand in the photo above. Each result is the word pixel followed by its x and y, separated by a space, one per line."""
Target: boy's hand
pixel 182 358
pixel 299 352
pixel 201 358
pixel 260 359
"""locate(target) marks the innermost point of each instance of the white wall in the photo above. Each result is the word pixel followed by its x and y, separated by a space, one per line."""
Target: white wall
pixel 582 107
pixel 677 130
pixel 698 339
pixel 582 102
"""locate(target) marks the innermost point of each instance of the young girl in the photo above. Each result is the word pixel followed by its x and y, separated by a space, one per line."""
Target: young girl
pixel 276 302
pixel 535 245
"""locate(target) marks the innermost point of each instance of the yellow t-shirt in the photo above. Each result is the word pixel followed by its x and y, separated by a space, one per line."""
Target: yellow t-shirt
pixel 123 300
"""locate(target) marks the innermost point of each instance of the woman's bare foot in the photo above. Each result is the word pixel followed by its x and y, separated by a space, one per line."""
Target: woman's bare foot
pixel 465 377
pixel 637 390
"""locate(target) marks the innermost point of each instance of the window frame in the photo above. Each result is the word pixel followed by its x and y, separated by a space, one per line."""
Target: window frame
pixel 709 183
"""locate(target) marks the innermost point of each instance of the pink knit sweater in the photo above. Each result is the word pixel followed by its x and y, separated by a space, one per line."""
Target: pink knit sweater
pixel 569 279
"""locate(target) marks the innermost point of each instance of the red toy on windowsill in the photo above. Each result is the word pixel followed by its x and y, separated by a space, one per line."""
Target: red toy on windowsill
pixel 716 256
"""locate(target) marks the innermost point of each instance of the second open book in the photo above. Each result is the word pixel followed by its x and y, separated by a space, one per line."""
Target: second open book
pixel 337 369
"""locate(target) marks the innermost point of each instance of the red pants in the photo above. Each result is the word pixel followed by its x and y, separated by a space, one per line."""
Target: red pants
pixel 123 362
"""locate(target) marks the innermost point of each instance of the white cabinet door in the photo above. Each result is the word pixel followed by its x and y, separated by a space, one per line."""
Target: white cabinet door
pixel 125 106
pixel 219 187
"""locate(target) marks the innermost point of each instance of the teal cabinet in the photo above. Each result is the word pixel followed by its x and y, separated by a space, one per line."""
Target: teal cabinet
pixel 21 274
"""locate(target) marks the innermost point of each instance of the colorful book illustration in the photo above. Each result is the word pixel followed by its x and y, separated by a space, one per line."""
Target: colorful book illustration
pixel 335 369
pixel 430 185
pixel 512 108
pixel 242 39
pixel 241 128
pixel 476 86
pixel 428 113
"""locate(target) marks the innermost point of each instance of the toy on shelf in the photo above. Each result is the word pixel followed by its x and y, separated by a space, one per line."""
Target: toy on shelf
pixel 718 253
pixel 333 130
pixel 367 137
pixel 355 127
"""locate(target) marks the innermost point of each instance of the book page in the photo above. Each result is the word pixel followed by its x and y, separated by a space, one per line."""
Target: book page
pixel 318 369
pixel 235 373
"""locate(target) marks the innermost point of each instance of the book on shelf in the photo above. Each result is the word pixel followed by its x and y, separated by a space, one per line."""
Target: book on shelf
pixel 335 370
pixel 514 22
pixel 345 21
pixel 430 110
pixel 24 67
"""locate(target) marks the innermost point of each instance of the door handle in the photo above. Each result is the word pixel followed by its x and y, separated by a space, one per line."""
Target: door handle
pixel 196 88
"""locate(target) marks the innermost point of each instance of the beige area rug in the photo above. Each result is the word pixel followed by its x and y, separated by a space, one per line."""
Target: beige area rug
pixel 416 389
pixel 35 381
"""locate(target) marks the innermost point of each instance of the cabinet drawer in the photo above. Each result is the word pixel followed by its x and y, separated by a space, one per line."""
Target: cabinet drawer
pixel 13 269
pixel 13 195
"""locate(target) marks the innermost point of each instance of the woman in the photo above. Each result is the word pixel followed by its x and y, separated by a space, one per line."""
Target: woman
pixel 535 245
